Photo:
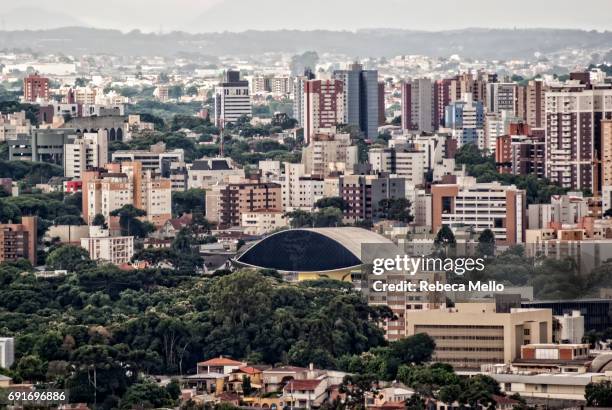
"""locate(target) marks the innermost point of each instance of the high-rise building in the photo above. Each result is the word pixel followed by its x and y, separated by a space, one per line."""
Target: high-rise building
pixel 382 119
pixel 126 184
pixel 299 189
pixel 85 152
pixel 606 152
pixel 236 199
pixel 465 118
pixel 35 87
pixel 363 193
pixel 530 103
pixel 329 153
pixel 299 84
pixel 501 97
pixel 18 240
pixel 574 114
pixel 361 104
pixel 405 162
pixel 500 208
pixel 441 98
pixel 417 105
pixel 232 99
pixel 323 106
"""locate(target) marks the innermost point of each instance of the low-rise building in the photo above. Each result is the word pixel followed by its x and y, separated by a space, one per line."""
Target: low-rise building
pixel 102 247
pixel 260 222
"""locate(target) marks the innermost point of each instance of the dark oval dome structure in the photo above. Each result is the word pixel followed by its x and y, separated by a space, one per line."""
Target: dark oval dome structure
pixel 310 249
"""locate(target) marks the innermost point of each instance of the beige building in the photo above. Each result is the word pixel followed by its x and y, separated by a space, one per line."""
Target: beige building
pixel 329 153
pixel 606 153
pixel 262 222
pixel 12 124
pixel 103 247
pixel 299 189
pixel 127 184
pixel 472 334
pixel 208 172
pixel 86 152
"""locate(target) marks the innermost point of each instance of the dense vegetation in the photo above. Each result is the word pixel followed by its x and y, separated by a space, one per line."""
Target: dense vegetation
pixel 122 326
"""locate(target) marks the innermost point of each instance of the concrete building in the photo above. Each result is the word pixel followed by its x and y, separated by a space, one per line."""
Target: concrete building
pixel 157 158
pixel 232 99
pixel 417 105
pixel 465 119
pixel 408 163
pixel 299 189
pixel 360 88
pixel 13 124
pixel 563 210
pixel 126 184
pixel 574 111
pixel 299 85
pixel 363 194
pixel 481 206
pixel 501 97
pixel 35 88
pixel 208 172
pixel 472 334
pixel 323 106
pixel 262 222
pixel 19 240
pixel 571 327
pixel 7 352
pixel 606 153
pixel 329 153
pixel 42 145
pixel 530 103
pixel 236 199
pixel 85 152
pixel 101 246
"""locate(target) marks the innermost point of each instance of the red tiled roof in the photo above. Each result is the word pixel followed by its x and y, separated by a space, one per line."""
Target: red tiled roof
pixel 221 361
pixel 249 370
pixel 302 384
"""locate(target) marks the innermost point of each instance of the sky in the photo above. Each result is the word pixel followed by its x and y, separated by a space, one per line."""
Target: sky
pixel 240 15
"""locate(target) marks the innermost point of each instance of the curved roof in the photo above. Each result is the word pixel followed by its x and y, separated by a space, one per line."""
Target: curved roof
pixel 310 249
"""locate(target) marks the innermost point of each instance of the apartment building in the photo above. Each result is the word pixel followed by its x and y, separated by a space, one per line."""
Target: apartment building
pixel 521 152
pixel 13 124
pixel 530 103
pixel 234 200
pixel 126 184
pixel 261 222
pixel 85 152
pixel 18 240
pixel 465 119
pixel 35 87
pixel 207 172
pixel 417 105
pixel 502 97
pixel 299 189
pixel 329 153
pixel 157 158
pixel 471 334
pixel 363 193
pixel 574 114
pixel 323 106
pixel 500 208
pixel 402 161
pixel 103 247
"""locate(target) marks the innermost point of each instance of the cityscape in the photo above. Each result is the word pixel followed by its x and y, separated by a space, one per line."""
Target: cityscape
pixel 304 215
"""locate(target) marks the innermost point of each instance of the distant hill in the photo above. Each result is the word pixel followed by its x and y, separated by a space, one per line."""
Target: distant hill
pixel 31 18
pixel 473 43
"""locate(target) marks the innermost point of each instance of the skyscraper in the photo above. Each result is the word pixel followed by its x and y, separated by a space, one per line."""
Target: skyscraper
pixel 417 105
pixel 360 98
pixel 232 99
pixel 298 95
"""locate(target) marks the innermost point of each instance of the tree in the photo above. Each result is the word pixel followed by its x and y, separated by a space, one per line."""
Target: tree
pixel 486 243
pixel 332 201
pixel 145 395
pixel 130 223
pixel 445 240
pixel 69 257
pixel 396 209
pixel 599 394
pixel 247 389
pixel 189 201
pixel 98 220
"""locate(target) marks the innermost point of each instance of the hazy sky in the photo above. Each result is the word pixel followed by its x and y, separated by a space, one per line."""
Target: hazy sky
pixel 239 15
